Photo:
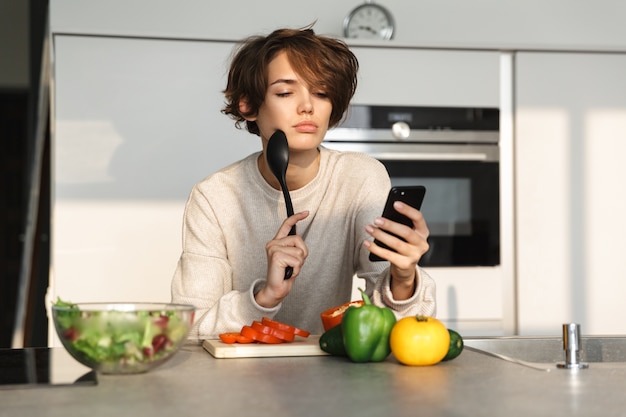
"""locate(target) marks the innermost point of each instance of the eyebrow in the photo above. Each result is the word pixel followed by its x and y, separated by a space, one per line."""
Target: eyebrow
pixel 283 80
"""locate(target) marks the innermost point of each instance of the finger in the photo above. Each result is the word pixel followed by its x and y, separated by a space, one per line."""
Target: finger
pixel 280 257
pixel 419 223
pixel 388 231
pixel 405 232
pixel 404 249
pixel 287 242
pixel 393 243
pixel 289 223
pixel 405 259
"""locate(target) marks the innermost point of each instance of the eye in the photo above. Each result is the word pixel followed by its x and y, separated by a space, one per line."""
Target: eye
pixel 283 94
pixel 321 94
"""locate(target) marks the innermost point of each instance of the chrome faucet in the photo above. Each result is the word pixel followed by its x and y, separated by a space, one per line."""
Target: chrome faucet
pixel 572 347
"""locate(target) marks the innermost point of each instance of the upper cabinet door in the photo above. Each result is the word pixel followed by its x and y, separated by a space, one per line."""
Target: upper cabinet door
pixel 414 77
pixel 140 118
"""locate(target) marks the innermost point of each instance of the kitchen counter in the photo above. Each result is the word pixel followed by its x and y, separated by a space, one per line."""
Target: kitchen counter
pixel 193 383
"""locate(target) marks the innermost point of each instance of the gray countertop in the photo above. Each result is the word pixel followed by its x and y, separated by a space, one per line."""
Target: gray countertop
pixel 194 383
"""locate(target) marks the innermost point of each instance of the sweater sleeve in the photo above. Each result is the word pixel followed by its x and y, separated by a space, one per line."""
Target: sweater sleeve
pixel 203 276
pixel 423 301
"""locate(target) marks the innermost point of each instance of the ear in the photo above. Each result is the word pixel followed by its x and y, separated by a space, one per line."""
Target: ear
pixel 244 109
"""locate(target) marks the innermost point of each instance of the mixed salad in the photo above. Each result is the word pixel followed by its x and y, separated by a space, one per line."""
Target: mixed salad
pixel 115 340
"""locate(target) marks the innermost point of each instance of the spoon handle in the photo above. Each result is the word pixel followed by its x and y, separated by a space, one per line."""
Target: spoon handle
pixel 289 208
pixel 288 270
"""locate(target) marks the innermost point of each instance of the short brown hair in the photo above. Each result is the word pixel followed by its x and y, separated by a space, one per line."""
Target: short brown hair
pixel 322 62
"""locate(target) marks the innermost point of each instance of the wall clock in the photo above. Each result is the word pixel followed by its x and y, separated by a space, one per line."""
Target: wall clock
pixel 369 21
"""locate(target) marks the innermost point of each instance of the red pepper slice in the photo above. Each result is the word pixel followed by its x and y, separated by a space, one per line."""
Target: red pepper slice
pixel 234 337
pixel 248 331
pixel 282 335
pixel 285 327
pixel 333 316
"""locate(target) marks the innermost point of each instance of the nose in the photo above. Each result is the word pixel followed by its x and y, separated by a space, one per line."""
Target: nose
pixel 306 104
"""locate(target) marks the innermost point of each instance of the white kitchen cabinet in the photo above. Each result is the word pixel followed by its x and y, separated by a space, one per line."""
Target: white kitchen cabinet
pixel 570 146
pixel 422 77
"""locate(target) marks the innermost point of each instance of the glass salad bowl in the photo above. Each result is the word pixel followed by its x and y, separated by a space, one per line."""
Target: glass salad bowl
pixel 122 338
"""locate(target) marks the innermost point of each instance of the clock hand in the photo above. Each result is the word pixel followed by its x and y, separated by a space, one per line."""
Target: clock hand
pixel 368 29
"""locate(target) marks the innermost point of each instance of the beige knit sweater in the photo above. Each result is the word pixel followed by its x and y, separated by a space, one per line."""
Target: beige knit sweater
pixel 232 214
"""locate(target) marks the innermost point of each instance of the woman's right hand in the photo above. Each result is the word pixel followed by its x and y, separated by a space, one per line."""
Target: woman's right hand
pixel 282 251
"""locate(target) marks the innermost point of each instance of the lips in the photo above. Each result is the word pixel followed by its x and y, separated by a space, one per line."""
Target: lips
pixel 306 127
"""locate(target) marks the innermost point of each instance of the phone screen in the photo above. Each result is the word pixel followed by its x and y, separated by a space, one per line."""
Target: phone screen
pixel 413 195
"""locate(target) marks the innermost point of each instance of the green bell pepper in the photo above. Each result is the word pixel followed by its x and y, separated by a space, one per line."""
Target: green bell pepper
pixel 366 331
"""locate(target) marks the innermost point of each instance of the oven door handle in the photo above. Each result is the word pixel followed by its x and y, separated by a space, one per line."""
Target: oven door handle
pixel 426 156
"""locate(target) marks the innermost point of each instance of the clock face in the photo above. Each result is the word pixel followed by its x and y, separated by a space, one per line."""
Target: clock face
pixel 369 21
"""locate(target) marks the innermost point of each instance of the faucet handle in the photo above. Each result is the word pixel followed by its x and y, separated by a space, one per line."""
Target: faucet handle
pixel 572 347
pixel 571 337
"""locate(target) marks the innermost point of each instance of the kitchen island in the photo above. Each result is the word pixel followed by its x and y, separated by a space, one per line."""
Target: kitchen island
pixel 194 383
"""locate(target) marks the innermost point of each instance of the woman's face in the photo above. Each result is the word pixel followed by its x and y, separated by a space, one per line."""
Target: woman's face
pixel 291 106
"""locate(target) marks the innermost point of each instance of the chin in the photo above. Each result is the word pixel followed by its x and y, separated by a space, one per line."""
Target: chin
pixel 306 141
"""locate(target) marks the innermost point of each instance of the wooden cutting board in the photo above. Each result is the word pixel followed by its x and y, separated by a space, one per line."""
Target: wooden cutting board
pixel 299 347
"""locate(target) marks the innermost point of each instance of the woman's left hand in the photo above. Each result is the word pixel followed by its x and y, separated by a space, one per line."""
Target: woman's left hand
pixel 409 251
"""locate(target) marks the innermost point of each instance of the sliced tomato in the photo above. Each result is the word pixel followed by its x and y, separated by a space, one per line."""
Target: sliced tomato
pixel 333 316
pixel 248 331
pixel 284 327
pixel 282 335
pixel 234 337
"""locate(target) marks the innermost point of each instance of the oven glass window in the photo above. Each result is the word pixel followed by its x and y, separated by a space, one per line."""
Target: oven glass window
pixel 461 208
pixel 447 207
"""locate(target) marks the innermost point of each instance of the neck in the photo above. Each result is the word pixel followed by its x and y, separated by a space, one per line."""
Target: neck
pixel 303 167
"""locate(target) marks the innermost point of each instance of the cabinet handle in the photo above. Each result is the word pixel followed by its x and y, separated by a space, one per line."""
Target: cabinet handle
pixel 393 156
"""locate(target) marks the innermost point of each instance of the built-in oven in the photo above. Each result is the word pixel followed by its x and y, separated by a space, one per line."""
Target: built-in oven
pixel 454 153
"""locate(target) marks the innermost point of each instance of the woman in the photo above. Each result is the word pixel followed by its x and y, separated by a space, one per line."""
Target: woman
pixel 236 242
